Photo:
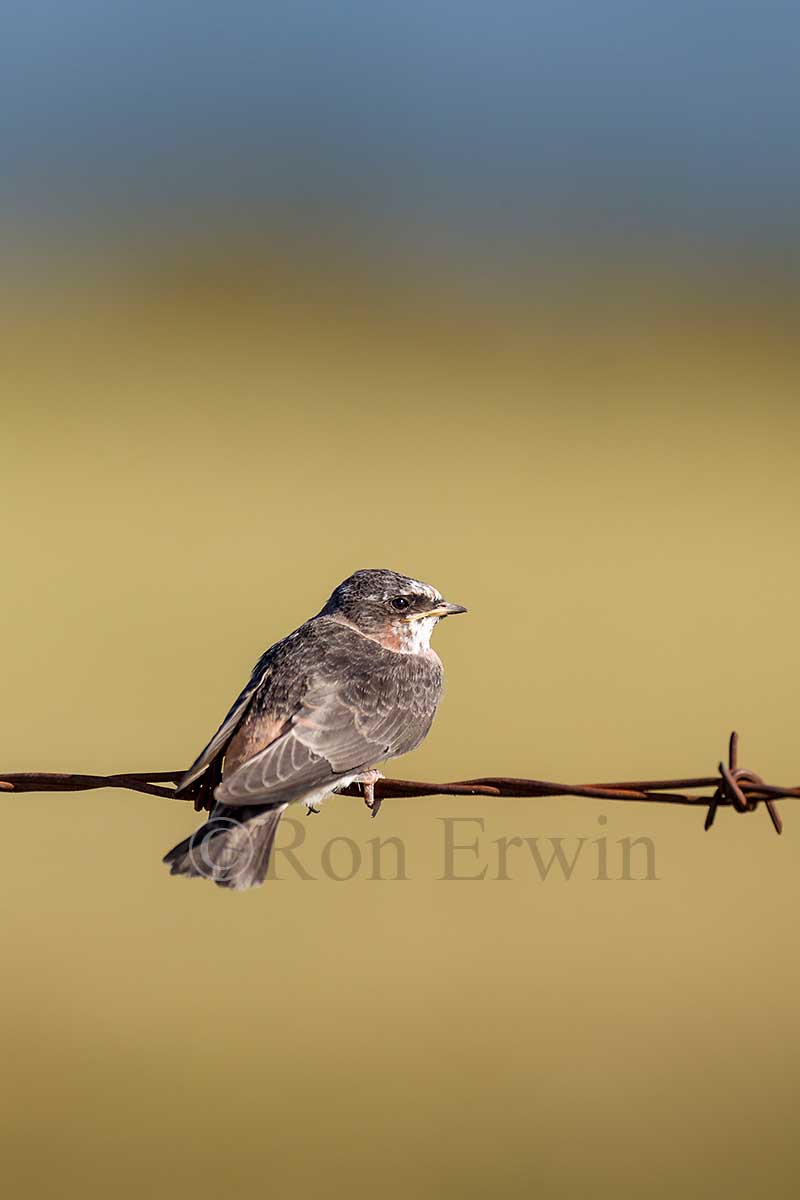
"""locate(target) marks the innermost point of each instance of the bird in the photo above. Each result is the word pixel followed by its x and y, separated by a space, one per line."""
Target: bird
pixel 353 686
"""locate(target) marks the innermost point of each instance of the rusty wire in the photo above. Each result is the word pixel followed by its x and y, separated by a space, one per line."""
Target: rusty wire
pixel 732 787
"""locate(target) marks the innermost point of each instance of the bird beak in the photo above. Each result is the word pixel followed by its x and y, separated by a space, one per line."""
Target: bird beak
pixel 441 610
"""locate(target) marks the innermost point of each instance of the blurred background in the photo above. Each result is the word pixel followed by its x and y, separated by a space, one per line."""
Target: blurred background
pixel 504 297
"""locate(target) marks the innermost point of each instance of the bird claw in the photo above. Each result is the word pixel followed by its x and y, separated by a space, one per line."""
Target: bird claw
pixel 310 809
pixel 372 801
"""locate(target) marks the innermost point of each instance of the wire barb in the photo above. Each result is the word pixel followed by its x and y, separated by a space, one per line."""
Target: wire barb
pixel 733 776
pixel 733 787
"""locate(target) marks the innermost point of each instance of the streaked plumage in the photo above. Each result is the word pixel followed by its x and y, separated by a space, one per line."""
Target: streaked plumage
pixel 355 685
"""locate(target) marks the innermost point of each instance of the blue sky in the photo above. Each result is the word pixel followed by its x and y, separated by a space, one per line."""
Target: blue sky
pixel 681 111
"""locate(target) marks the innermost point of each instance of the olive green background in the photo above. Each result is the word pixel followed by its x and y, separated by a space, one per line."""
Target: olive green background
pixel 195 451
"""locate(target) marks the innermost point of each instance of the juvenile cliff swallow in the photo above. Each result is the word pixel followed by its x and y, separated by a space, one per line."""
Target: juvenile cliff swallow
pixel 353 686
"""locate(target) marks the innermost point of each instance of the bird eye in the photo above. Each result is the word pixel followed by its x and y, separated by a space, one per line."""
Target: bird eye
pixel 400 602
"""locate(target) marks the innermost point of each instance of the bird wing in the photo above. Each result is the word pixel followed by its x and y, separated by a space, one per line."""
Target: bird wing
pixel 341 727
pixel 228 727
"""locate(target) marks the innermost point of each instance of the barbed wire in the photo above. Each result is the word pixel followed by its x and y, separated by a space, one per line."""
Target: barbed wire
pixel 732 787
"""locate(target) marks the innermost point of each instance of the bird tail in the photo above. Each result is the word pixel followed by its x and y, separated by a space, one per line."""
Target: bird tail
pixel 232 849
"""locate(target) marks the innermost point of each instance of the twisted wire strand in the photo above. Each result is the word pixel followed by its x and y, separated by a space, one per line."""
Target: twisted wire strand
pixel 732 787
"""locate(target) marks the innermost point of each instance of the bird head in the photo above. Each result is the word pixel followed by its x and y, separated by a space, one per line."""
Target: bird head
pixel 395 610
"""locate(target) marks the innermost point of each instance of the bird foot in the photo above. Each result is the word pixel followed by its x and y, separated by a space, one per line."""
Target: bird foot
pixel 310 809
pixel 368 781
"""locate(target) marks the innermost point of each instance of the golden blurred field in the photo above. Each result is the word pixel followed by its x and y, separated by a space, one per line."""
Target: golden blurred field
pixel 194 455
